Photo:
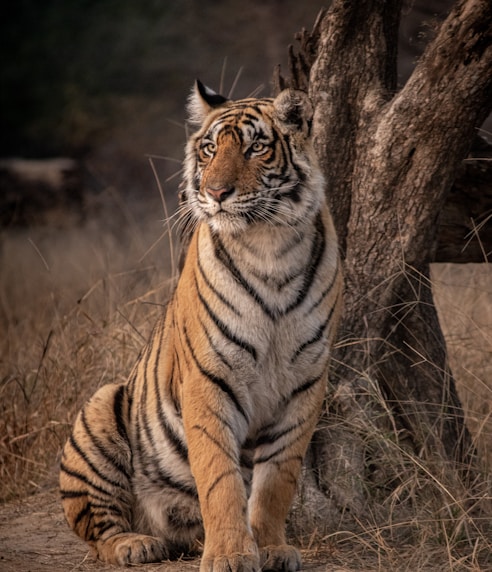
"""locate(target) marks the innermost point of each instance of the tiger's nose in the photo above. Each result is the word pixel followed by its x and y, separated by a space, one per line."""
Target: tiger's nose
pixel 220 194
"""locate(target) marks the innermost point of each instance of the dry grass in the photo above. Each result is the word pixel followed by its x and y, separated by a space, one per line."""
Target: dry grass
pixel 419 515
pixel 76 305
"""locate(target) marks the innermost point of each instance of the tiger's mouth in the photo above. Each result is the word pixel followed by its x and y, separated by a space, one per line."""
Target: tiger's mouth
pixel 278 206
pixel 215 209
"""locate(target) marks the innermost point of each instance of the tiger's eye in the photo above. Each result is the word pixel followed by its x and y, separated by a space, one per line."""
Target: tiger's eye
pixel 257 147
pixel 208 148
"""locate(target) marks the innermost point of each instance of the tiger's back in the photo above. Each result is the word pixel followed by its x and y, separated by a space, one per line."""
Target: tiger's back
pixel 206 439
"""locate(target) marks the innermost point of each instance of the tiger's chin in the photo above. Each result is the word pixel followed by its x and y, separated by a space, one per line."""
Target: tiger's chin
pixel 227 224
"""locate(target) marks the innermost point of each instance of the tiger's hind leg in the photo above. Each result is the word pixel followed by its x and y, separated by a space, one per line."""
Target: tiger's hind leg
pixel 95 482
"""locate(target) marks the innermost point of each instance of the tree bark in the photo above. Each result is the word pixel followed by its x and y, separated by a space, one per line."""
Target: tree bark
pixel 390 158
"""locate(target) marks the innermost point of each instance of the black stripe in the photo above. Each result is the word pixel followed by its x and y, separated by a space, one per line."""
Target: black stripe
pixel 106 525
pixel 286 447
pixel 306 386
pixel 270 438
pixel 280 283
pixel 176 379
pixel 225 258
pixel 245 121
pixel 252 118
pixel 290 161
pixel 216 442
pixel 222 420
pixel 131 411
pixel 249 444
pixel 317 251
pixel 103 451
pixel 316 338
pixel 246 461
pixel 84 479
pixel 143 410
pixel 139 445
pixel 225 331
pixel 86 511
pixel 65 494
pixel 219 295
pixel 233 109
pixel 118 413
pixel 158 475
pixel 94 469
pixel 325 292
pixel 183 354
pixel 219 382
pixel 133 376
pixel 100 509
pixel 211 343
pixel 282 159
pixel 156 342
pixel 142 420
pixel 95 498
pixel 171 435
pixel 292 192
pixel 296 239
pixel 161 478
pixel 234 131
pixel 217 481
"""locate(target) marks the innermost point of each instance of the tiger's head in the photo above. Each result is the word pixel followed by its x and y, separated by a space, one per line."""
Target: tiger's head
pixel 251 161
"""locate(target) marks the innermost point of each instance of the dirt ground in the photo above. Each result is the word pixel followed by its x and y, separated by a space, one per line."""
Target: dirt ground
pixel 35 538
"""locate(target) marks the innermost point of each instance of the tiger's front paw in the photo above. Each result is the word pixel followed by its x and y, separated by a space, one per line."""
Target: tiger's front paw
pixel 231 563
pixel 284 557
pixel 130 548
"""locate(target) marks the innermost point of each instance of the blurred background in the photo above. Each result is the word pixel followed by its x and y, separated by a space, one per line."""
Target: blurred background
pixel 104 82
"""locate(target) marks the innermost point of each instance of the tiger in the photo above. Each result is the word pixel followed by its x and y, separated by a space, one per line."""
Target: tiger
pixel 201 449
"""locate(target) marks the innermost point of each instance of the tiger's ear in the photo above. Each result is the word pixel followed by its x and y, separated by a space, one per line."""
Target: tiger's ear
pixel 293 111
pixel 202 101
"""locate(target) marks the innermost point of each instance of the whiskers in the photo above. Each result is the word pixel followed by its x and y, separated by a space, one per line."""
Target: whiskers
pixel 269 209
pixel 272 207
pixel 184 220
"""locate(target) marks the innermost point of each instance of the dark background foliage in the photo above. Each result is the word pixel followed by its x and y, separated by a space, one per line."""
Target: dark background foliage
pixel 106 81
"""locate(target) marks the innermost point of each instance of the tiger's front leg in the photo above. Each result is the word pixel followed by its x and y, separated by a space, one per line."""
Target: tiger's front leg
pixel 212 421
pixel 277 465
pixel 274 486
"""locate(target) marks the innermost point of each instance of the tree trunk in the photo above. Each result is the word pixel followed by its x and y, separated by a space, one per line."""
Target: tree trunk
pixel 390 158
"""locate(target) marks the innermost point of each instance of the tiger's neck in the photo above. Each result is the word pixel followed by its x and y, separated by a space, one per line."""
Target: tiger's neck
pixel 264 273
pixel 272 253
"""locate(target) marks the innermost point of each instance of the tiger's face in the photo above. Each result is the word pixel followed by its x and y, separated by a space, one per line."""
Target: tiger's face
pixel 251 161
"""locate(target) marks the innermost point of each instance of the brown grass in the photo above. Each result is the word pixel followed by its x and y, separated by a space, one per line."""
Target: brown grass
pixel 76 305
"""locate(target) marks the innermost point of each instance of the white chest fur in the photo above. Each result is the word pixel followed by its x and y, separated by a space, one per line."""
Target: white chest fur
pixel 270 287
